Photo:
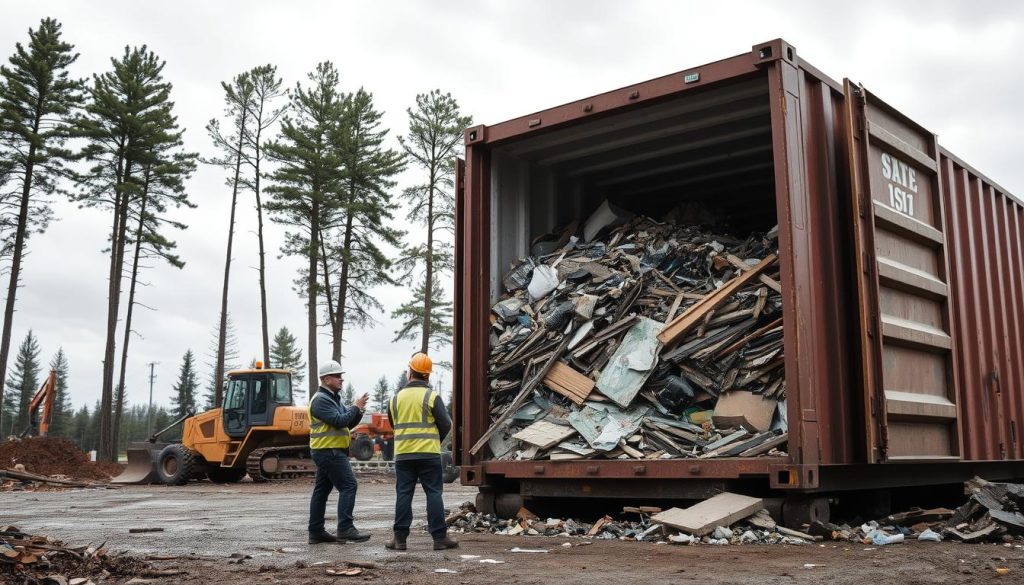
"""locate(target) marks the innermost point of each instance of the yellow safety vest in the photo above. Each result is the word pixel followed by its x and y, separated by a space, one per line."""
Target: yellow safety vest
pixel 413 417
pixel 323 435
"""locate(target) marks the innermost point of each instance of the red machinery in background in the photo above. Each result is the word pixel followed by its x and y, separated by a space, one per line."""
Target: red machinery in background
pixel 373 431
pixel 38 425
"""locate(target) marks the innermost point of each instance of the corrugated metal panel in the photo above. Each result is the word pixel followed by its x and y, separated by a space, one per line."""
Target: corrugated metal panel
pixel 987 260
pixel 829 399
pixel 906 333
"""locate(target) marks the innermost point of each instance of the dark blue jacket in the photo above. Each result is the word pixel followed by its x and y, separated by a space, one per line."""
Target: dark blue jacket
pixel 333 412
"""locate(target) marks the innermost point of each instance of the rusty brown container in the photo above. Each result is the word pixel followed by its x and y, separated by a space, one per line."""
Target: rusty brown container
pixel 903 299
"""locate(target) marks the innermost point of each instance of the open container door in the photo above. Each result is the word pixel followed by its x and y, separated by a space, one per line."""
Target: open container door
pixel 906 335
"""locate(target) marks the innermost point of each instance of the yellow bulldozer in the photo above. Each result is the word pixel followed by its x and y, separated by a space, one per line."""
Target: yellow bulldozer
pixel 258 431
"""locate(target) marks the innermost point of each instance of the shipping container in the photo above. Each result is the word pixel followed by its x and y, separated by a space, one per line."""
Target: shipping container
pixel 901 269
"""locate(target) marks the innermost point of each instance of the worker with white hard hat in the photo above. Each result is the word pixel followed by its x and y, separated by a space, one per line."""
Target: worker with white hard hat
pixel 330 424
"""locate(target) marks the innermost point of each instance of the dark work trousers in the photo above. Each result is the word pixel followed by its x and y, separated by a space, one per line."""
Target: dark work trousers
pixel 332 472
pixel 428 473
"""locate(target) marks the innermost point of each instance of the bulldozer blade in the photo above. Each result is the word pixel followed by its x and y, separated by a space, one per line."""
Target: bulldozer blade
pixel 141 466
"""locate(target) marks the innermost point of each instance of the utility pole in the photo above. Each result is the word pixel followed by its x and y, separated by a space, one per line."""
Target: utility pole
pixel 149 411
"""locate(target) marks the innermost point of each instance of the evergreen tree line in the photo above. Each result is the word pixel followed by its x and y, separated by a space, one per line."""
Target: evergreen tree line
pixel 314 159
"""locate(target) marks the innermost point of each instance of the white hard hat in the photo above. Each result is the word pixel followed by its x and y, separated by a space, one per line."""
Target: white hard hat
pixel 330 367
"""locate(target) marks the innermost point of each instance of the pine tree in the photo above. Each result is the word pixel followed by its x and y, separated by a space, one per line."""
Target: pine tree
pixel 63 411
pixel 380 395
pixel 433 142
pixel 22 384
pixel 286 355
pixel 359 248
pixel 304 181
pixel 186 388
pixel 401 381
pixel 412 315
pixel 266 91
pixel 129 112
pixel 92 440
pixel 349 395
pixel 238 108
pixel 36 102
pixel 79 427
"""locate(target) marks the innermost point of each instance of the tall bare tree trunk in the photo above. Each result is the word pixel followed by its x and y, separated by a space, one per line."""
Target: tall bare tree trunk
pixel 222 332
pixel 428 286
pixel 119 229
pixel 19 248
pixel 119 406
pixel 346 260
pixel 263 264
pixel 332 315
pixel 259 238
pixel 314 246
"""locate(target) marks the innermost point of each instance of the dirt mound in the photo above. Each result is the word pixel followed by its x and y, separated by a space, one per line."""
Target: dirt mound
pixel 54 456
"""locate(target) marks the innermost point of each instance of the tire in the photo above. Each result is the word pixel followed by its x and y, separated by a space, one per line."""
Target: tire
pixel 450 472
pixel 362 448
pixel 219 474
pixel 175 465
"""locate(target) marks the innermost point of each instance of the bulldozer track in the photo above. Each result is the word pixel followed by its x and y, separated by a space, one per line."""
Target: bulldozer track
pixel 296 463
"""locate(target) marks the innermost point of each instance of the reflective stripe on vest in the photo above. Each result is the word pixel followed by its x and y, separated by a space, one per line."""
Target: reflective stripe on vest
pixel 413 417
pixel 323 435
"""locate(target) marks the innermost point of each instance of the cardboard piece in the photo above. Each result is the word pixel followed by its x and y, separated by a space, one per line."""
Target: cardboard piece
pixel 544 434
pixel 744 409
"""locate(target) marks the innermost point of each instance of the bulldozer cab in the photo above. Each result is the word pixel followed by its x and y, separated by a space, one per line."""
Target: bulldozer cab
pixel 250 398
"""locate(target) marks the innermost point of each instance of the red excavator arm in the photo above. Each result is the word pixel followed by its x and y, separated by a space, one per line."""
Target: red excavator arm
pixel 39 426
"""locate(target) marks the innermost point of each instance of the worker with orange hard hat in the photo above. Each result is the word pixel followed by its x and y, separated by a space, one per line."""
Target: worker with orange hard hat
pixel 420 421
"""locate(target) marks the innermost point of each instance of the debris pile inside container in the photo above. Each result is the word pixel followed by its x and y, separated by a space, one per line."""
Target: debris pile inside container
pixel 634 338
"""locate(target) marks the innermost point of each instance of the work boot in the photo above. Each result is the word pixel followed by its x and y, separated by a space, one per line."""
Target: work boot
pixel 396 543
pixel 352 535
pixel 320 537
pixel 445 543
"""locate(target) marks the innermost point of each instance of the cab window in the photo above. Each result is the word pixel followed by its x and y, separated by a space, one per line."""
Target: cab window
pixel 281 388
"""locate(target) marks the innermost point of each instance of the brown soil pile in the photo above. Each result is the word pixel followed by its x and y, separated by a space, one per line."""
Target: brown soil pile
pixel 54 456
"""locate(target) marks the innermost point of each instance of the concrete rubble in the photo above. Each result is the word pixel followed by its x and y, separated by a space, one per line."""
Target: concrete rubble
pixel 639 339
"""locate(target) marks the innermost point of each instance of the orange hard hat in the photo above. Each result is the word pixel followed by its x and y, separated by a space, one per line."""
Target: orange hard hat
pixel 421 363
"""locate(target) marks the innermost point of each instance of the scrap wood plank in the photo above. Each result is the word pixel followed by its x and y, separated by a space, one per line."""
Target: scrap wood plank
pixel 693 316
pixel 521 397
pixel 596 528
pixel 544 434
pixel 26 476
pixel 569 383
pixel 766 446
pixel 764 278
pixel 722 510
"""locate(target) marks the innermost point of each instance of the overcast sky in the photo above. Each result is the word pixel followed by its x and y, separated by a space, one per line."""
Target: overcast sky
pixel 952 66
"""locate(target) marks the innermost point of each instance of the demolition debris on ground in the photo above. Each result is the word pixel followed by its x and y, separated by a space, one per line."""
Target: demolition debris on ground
pixel 633 338
pixel 31 559
pixel 992 514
